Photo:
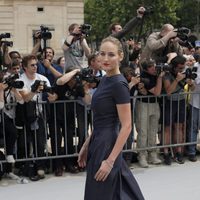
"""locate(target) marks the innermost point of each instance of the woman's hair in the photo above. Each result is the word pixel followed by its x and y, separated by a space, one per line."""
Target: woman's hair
pixel 115 41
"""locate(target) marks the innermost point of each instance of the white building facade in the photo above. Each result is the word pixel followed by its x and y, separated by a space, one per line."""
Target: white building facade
pixel 22 18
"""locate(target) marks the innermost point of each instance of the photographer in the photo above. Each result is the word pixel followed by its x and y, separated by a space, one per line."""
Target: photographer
pixel 69 87
pixel 118 32
pixel 193 116
pixel 11 97
pixel 148 113
pixel 175 107
pixel 33 112
pixel 75 47
pixel 159 45
pixel 46 67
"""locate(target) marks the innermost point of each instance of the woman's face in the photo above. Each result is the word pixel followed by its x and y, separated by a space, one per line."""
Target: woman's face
pixel 110 57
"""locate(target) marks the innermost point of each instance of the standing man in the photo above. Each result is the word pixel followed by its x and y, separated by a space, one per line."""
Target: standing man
pixel 160 45
pixel 75 47
pixel 118 32
pixel 193 117
pixel 32 95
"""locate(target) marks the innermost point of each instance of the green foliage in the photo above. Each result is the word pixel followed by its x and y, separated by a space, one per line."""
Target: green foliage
pixel 101 13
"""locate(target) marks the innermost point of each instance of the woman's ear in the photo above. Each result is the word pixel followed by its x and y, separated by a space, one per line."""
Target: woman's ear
pixel 121 56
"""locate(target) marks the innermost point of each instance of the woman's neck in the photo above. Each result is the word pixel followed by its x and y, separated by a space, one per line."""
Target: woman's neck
pixel 112 73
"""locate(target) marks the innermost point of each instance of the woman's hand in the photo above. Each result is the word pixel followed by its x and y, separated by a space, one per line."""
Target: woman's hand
pixel 104 170
pixel 82 157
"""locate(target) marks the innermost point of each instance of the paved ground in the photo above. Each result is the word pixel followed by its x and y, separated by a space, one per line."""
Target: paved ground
pixel 176 182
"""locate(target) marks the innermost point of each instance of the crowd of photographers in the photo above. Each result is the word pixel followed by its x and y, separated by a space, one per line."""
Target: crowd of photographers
pixel 159 75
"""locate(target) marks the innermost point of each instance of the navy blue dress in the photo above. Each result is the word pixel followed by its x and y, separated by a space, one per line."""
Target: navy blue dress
pixel 120 184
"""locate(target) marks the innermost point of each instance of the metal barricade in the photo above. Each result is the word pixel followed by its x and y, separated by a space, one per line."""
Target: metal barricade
pixel 66 124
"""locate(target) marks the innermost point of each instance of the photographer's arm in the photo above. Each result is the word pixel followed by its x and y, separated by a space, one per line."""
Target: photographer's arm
pixel 67 42
pixel 171 87
pixel 37 44
pixel 27 95
pixel 85 47
pixel 131 24
pixel 2 88
pixel 134 81
pixel 36 47
pixel 7 59
pixel 154 43
pixel 66 77
pixel 157 89
pixel 48 65
pixel 88 97
pixel 52 97
pixel 17 95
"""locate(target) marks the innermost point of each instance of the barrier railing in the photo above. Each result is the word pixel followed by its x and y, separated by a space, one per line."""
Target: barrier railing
pixel 61 127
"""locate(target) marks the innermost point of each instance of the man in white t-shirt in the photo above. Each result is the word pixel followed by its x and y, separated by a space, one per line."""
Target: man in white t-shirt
pixel 32 93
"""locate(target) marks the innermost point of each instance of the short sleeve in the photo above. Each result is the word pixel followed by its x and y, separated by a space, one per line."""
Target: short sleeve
pixel 121 93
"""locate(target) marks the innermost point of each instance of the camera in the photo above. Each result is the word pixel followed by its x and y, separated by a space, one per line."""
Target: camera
pixel 190 73
pixel 148 11
pixel 86 74
pixel 183 33
pixel 85 29
pixel 12 83
pixel 48 89
pixel 129 72
pixel 5 35
pixel 45 33
pixel 37 83
pixel 163 67
pixel 7 43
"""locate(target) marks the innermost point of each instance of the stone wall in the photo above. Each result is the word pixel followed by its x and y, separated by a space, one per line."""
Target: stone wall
pixel 22 17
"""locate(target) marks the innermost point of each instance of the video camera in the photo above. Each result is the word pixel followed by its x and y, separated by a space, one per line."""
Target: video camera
pixel 86 74
pixel 12 82
pixel 190 73
pixel 45 33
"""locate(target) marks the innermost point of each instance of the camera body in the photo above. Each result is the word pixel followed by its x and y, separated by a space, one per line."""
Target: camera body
pixel 5 35
pixel 7 43
pixel 191 73
pixel 163 67
pixel 86 74
pixel 148 10
pixel 183 33
pixel 46 88
pixel 45 33
pixel 85 29
pixel 12 83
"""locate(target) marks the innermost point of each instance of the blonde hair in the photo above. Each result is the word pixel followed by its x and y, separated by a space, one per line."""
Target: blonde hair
pixel 115 41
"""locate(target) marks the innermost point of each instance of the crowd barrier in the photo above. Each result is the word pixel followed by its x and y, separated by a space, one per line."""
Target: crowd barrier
pixel 66 124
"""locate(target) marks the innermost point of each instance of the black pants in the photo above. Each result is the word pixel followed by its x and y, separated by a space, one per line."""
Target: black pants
pixel 10 134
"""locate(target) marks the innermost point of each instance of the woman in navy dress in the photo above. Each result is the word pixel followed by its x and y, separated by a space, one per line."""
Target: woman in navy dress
pixel 108 176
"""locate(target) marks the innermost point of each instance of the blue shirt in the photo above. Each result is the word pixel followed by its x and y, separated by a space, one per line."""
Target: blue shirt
pixel 41 69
